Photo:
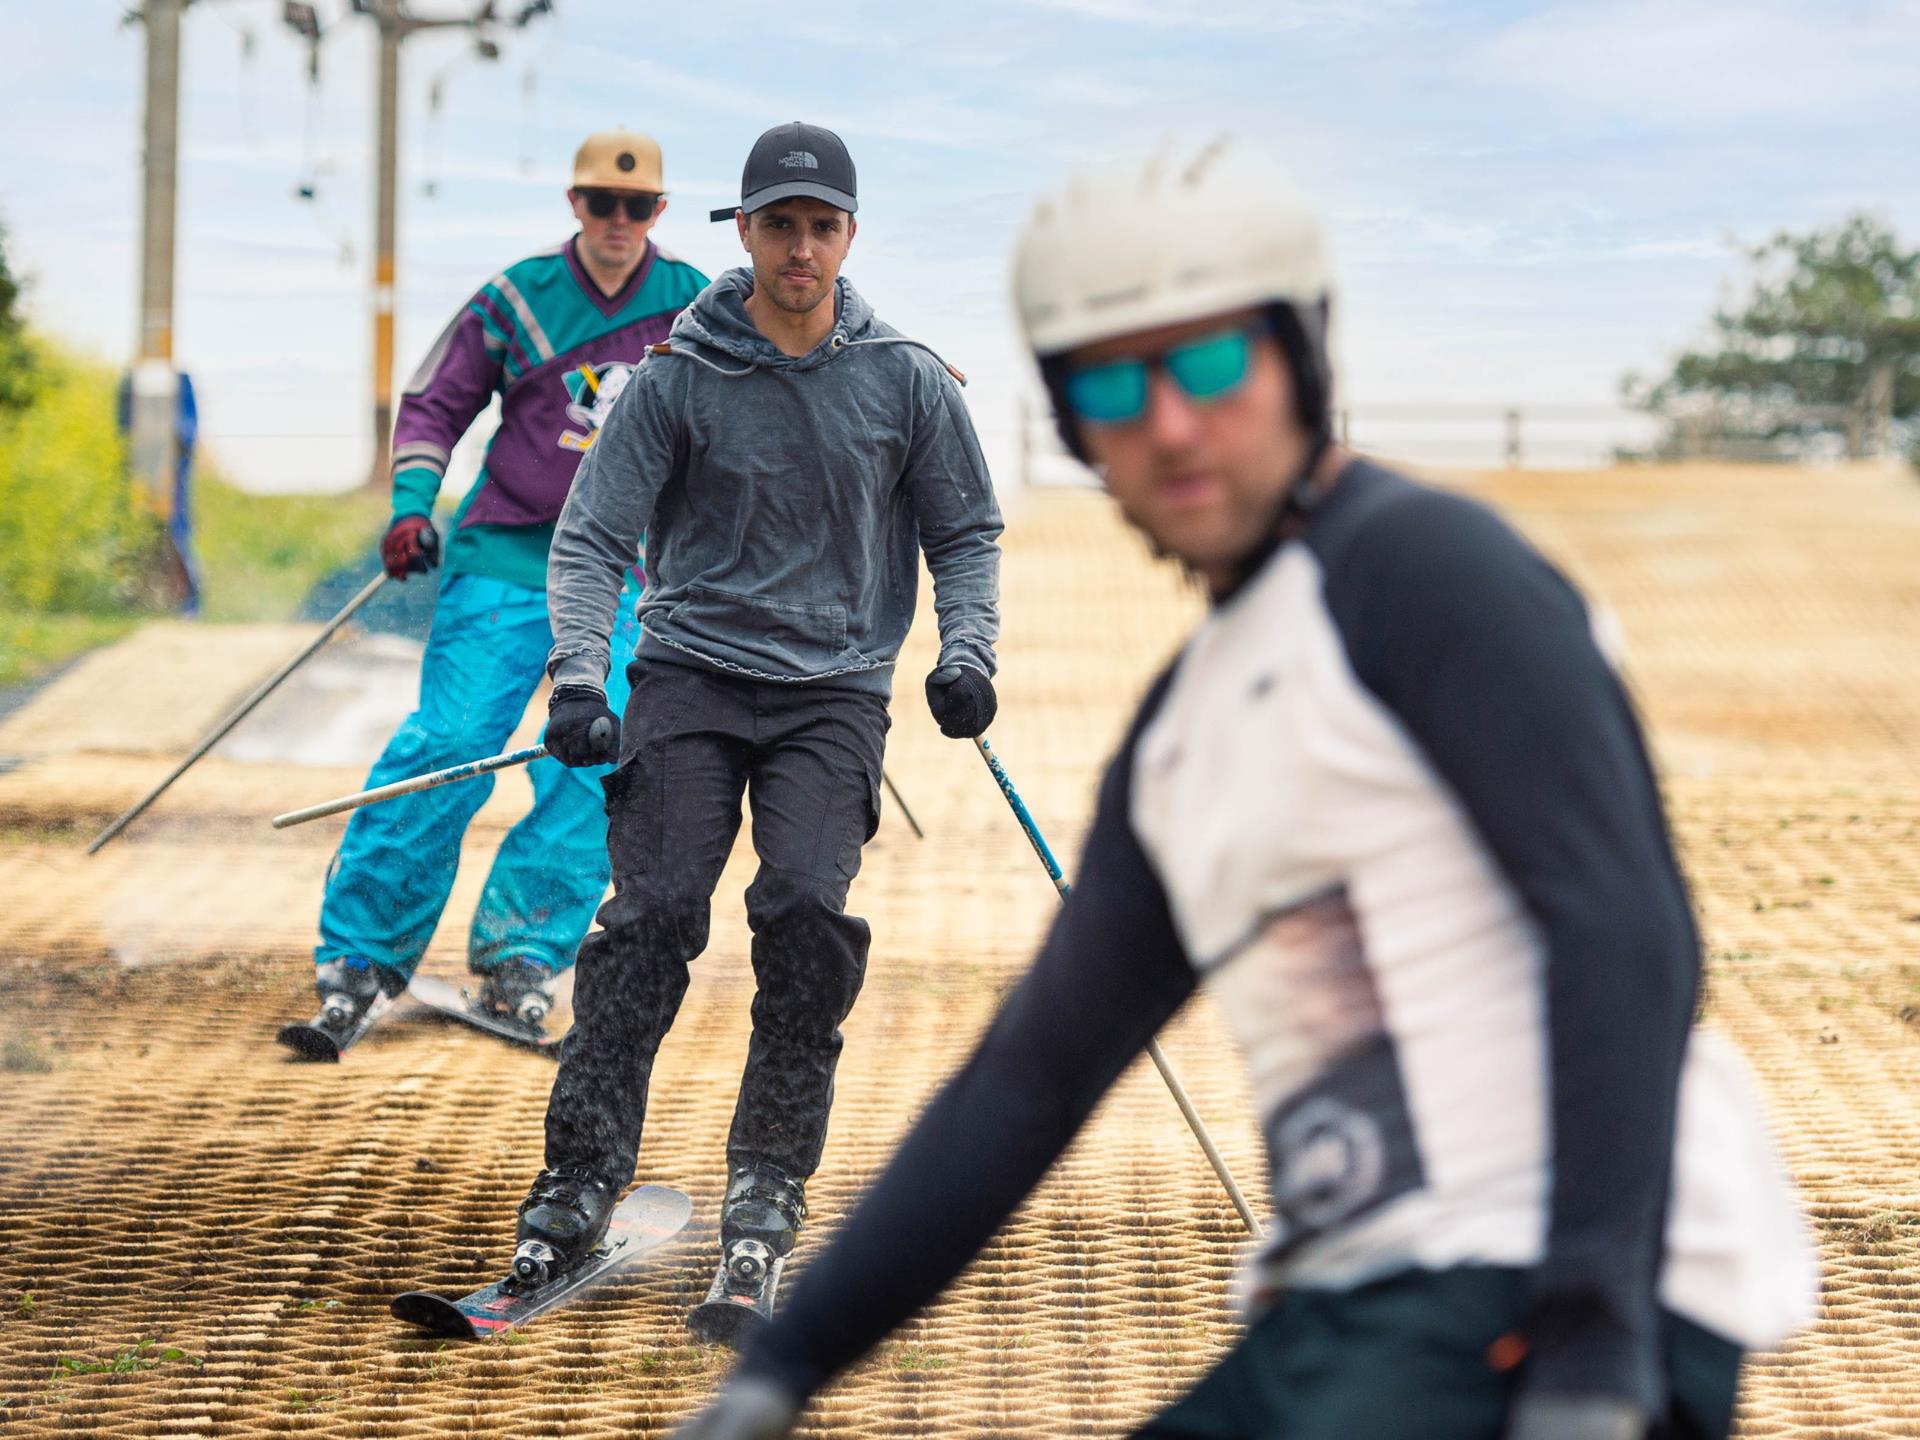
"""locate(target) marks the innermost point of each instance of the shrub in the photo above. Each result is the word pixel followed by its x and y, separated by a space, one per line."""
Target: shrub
pixel 71 536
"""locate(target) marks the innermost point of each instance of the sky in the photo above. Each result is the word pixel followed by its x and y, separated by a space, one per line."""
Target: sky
pixel 1524 201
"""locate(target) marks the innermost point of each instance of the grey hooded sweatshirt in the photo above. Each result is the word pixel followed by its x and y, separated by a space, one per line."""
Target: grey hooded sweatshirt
pixel 782 500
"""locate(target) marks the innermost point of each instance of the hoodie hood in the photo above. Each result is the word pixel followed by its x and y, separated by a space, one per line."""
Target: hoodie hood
pixel 718 322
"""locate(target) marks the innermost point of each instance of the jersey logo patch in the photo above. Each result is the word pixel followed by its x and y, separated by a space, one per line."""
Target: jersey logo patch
pixel 1344 1146
pixel 591 391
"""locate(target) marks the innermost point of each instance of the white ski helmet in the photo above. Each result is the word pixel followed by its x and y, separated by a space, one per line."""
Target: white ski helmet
pixel 1185 233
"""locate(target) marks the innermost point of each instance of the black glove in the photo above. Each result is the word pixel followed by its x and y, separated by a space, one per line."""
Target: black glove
pixel 581 728
pixel 747 1408
pixel 411 547
pixel 1575 1417
pixel 961 699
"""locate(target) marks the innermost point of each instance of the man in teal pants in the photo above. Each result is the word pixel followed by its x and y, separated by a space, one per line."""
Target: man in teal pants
pixel 555 336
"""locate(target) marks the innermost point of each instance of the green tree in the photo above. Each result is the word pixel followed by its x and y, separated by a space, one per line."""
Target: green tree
pixel 1826 343
pixel 16 357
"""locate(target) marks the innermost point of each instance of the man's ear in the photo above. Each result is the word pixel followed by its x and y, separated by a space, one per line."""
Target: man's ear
pixel 740 220
pixel 853 229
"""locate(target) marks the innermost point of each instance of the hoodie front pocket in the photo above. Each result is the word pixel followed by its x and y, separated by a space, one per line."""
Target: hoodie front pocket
pixel 781 636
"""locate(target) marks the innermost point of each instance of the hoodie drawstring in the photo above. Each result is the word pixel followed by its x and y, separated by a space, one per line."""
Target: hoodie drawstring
pixel 665 347
pixel 839 341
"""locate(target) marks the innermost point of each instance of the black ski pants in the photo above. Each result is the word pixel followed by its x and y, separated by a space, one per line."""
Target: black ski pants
pixel 693 740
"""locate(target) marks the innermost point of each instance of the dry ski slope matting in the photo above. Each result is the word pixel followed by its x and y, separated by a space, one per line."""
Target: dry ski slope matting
pixel 201 1237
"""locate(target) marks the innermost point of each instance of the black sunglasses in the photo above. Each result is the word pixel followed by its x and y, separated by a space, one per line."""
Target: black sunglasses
pixel 601 203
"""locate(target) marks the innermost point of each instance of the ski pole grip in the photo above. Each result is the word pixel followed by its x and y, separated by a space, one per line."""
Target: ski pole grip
pixel 600 736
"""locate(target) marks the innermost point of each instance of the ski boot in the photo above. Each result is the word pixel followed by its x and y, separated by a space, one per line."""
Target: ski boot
pixel 354 992
pixel 520 989
pixel 349 987
pixel 764 1211
pixel 563 1218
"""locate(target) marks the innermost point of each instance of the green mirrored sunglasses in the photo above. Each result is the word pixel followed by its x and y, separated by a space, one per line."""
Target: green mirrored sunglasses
pixel 1205 369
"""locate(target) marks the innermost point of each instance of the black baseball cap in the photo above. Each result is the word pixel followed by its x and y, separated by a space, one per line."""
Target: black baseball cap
pixel 796 159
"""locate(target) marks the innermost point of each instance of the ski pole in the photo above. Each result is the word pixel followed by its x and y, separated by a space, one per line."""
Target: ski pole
pixel 407 787
pixel 1180 1096
pixel 900 800
pixel 244 709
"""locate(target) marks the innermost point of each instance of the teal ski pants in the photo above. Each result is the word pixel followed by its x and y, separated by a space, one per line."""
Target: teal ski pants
pixel 486 654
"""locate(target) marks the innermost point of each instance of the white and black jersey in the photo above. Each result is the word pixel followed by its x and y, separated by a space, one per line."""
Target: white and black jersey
pixel 1393 806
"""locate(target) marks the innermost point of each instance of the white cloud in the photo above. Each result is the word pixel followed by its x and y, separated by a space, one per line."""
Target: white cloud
pixel 1665 61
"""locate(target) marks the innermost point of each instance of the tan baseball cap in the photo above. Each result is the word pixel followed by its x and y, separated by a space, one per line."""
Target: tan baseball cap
pixel 619 160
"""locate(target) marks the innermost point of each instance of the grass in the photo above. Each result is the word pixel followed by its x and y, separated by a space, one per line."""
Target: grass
pixel 24 1055
pixel 261 554
pixel 1882 1227
pixel 128 1362
pixel 914 1359
pixel 32 643
pixel 259 557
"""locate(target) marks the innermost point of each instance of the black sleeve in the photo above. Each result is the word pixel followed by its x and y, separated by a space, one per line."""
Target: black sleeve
pixel 1486 655
pixel 1109 975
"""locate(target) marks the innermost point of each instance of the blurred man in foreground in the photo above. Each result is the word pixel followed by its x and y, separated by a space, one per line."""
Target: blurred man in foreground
pixel 1392 805
pixel 555 336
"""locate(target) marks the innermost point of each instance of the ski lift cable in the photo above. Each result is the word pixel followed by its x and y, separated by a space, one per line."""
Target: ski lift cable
pixel 432 143
pixel 550 34
pixel 247 92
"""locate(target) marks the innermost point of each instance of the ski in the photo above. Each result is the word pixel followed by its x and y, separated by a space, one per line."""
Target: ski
pixel 740 1300
pixel 642 1223
pixel 316 1039
pixel 443 999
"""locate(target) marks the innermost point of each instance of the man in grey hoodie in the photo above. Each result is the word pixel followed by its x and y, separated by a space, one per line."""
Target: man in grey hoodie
pixel 786 456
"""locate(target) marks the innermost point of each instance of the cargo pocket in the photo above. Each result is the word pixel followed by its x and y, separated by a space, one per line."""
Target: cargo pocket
pixel 636 812
pixel 859 820
pixel 868 714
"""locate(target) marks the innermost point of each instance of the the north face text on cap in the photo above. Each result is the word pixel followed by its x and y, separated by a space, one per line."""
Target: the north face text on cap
pixel 800 160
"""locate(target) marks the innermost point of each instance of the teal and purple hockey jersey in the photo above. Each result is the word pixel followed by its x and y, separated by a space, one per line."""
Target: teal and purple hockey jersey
pixel 557 350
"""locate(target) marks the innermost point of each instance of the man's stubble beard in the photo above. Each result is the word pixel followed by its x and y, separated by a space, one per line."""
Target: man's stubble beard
pixel 772 289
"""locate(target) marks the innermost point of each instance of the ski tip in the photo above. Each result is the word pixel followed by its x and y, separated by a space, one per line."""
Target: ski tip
pixel 450 1003
pixel 661 1209
pixel 433 1312
pixel 730 1322
pixel 309 1042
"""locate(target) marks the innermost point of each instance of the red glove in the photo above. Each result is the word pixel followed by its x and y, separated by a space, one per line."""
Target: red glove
pixel 411 547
